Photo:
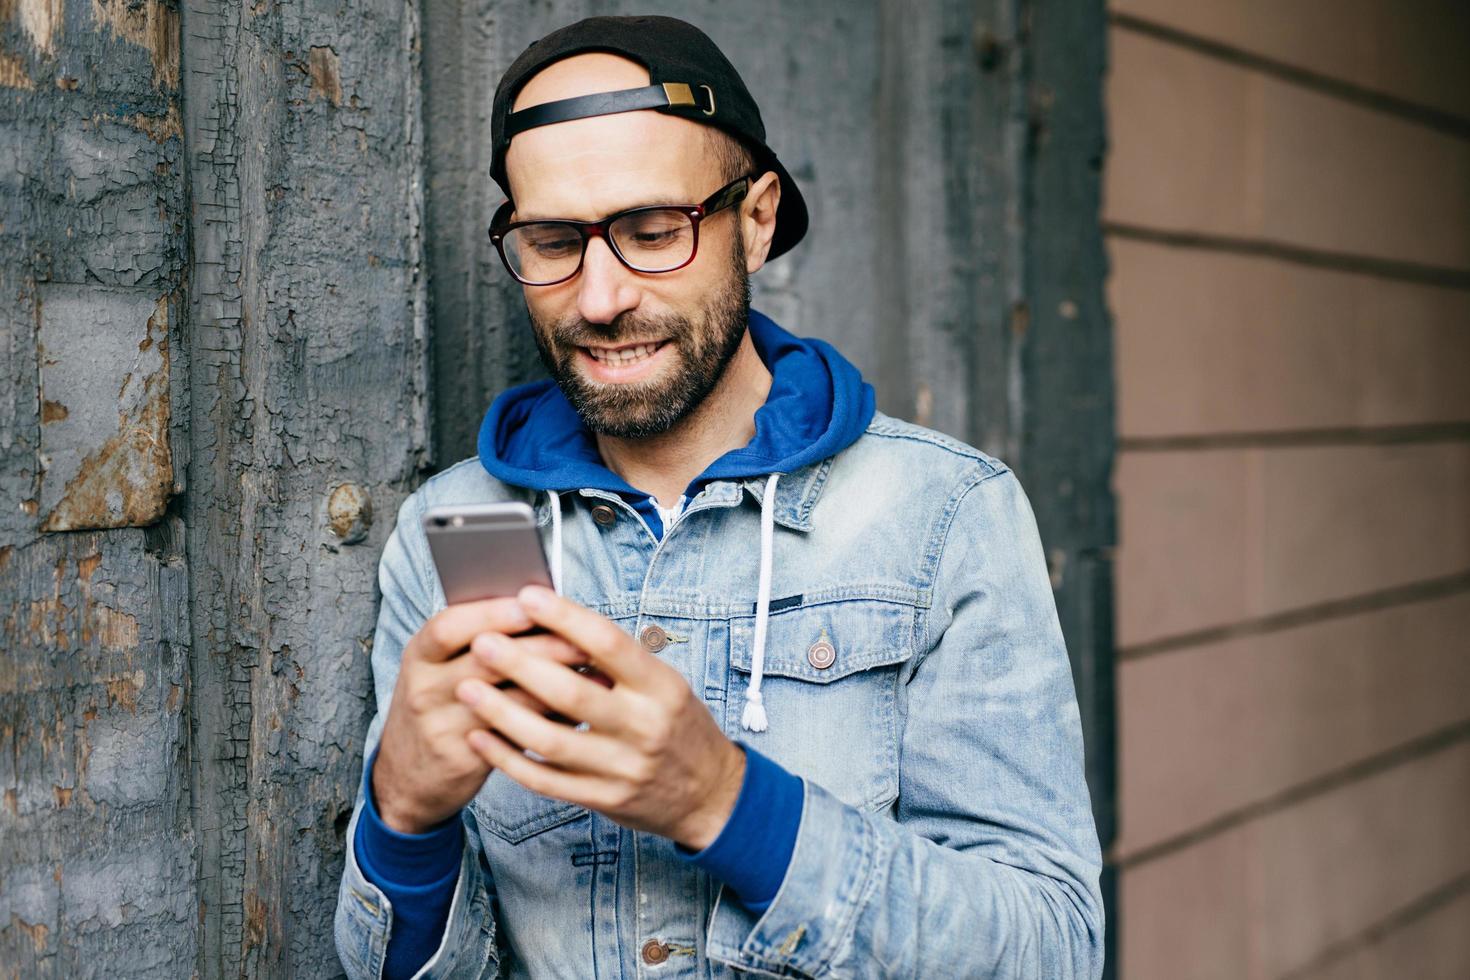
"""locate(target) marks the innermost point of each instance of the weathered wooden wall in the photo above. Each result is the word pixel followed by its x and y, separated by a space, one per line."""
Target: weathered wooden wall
pixel 214 374
pixel 97 860
pixel 226 213
pixel 308 370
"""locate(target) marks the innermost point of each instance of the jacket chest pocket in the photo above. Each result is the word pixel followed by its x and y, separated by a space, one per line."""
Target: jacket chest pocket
pixel 513 813
pixel 830 690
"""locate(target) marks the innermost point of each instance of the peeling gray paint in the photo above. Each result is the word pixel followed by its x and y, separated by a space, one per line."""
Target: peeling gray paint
pixel 105 453
pixel 307 374
pixel 97 860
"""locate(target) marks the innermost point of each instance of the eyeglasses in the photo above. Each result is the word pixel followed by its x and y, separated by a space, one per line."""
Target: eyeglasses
pixel 654 238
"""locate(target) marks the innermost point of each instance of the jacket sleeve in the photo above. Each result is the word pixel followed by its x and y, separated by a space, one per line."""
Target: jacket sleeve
pixel 364 916
pixel 988 865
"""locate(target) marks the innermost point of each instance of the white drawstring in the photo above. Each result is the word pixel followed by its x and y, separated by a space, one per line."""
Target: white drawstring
pixel 753 718
pixel 555 501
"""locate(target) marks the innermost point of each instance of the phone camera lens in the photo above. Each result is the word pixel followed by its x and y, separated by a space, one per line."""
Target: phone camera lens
pixel 440 522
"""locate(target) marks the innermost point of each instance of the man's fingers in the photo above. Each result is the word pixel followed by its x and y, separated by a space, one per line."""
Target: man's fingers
pixel 560 745
pixel 565 691
pixel 448 676
pixel 612 651
pixel 538 777
pixel 541 644
pixel 548 646
pixel 527 701
pixel 452 628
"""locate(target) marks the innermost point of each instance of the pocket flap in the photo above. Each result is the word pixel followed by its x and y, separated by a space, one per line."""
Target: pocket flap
pixel 513 813
pixel 862 633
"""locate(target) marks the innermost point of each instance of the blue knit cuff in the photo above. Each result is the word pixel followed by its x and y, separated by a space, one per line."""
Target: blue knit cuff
pixel 391 859
pixel 754 847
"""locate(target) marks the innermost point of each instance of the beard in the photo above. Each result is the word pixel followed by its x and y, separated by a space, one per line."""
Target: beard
pixel 701 347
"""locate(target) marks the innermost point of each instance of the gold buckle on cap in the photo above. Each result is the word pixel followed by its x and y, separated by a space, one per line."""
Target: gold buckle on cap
pixel 678 93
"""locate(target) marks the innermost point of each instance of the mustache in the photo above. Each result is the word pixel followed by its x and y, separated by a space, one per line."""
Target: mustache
pixel 624 329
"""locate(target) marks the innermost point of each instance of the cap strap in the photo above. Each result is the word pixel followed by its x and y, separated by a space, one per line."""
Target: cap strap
pixel 604 103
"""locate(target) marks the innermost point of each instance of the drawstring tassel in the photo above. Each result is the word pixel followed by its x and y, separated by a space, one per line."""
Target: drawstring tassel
pixel 753 718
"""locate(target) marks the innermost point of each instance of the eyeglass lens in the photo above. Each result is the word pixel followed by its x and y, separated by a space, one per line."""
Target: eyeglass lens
pixel 655 240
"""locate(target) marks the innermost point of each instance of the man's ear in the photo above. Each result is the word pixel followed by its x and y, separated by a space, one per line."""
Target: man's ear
pixel 758 219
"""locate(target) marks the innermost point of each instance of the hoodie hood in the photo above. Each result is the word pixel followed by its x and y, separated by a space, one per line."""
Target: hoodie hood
pixel 817 406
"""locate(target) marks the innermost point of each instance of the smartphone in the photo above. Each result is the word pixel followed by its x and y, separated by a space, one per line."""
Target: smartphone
pixel 484 551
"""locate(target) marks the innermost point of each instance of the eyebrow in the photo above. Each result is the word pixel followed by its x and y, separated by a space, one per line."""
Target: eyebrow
pixel 658 202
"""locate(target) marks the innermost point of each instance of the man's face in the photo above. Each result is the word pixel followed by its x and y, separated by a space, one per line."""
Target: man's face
pixel 594 332
pixel 644 393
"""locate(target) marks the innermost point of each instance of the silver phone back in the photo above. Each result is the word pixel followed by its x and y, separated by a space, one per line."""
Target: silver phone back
pixel 482 551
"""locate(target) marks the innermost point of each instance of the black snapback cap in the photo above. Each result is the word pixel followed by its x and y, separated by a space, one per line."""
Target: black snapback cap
pixel 689 76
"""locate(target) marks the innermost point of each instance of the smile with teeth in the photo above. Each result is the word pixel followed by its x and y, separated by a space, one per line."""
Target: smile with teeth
pixel 624 355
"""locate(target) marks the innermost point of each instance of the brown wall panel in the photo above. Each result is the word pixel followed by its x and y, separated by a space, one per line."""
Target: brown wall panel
pixel 1212 729
pixel 1211 343
pixel 1286 185
pixel 1432 945
pixel 1202 145
pixel 1213 537
pixel 1412 51
pixel 1268 896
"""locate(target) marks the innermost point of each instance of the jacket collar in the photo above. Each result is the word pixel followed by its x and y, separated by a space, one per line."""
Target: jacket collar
pixel 796 495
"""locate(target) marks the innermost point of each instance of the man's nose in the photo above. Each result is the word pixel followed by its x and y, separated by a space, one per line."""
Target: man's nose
pixel 605 287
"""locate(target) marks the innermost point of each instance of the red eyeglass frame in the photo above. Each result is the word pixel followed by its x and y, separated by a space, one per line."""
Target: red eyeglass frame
pixel 729 195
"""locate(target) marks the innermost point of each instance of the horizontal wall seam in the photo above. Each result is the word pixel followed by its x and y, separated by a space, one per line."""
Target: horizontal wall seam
pixel 1382 435
pixel 1413 750
pixel 1424 590
pixel 1420 908
pixel 1406 109
pixel 1367 265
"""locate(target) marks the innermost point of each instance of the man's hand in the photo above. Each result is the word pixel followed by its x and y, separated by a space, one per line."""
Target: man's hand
pixel 425 771
pixel 652 757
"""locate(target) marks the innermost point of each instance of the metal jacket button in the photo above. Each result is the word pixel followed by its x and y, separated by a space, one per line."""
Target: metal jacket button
pixel 821 654
pixel 653 639
pixel 604 515
pixel 655 952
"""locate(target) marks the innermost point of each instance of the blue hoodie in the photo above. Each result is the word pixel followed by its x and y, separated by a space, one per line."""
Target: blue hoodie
pixel 818 405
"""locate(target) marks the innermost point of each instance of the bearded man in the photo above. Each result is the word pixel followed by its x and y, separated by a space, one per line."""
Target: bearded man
pixel 837 734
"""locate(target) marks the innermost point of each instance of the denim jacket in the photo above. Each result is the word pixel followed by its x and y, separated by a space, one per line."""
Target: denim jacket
pixel 914 677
